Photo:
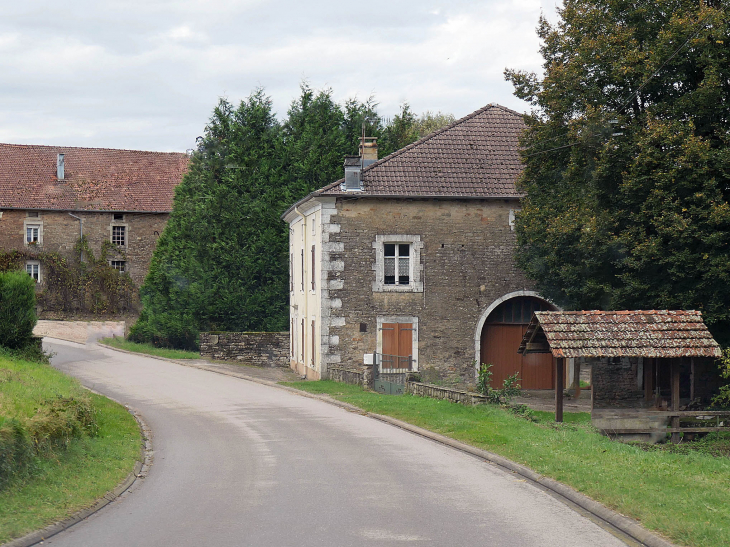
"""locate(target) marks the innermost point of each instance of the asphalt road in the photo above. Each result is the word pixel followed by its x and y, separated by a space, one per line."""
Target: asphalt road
pixel 243 464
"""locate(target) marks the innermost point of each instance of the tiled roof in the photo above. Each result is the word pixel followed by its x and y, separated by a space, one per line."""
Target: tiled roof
pixel 476 156
pixel 95 179
pixel 652 333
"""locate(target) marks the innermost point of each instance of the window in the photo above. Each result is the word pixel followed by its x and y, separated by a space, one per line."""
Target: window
pixel 32 234
pixel 291 272
pixel 398 263
pixel 397 343
pixel 118 235
pixel 119 265
pixel 34 270
pixel 33 214
pixel 302 271
pixel 119 216
pixel 314 284
pixel 397 260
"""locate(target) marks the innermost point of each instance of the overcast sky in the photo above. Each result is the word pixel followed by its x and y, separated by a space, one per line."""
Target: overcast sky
pixel 146 74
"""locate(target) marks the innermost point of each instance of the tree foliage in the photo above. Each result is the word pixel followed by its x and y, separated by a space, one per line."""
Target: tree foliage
pixel 627 164
pixel 17 309
pixel 222 261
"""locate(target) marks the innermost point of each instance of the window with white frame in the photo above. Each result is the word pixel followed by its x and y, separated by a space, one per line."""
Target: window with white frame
pixel 398 263
pixel 119 234
pixel 33 269
pixel 119 265
pixel 32 234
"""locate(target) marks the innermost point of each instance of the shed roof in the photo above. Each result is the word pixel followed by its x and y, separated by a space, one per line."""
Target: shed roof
pixel 95 179
pixel 643 333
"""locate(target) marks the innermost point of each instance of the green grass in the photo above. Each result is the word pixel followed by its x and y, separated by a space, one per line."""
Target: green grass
pixel 684 496
pixel 149 349
pixel 62 481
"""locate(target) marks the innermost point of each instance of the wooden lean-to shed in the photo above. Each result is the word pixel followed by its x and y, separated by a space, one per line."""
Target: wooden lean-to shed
pixel 646 365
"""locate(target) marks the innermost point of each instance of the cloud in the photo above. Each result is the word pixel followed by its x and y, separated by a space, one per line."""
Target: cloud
pixel 146 74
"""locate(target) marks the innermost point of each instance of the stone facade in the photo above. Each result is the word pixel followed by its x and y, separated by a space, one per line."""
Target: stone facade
pixel 618 382
pixel 59 233
pixel 261 349
pixel 466 263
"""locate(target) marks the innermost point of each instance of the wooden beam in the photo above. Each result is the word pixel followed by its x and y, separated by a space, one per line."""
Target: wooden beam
pixel 559 386
pixel 538 347
pixel 674 365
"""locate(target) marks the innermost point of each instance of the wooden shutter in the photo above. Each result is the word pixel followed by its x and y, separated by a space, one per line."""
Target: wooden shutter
pixel 397 344
pixel 303 338
pixel 314 285
pixel 313 343
pixel 302 274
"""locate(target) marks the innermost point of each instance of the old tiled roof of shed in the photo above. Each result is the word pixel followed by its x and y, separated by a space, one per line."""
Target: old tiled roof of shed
pixel 645 333
pixel 95 179
pixel 476 156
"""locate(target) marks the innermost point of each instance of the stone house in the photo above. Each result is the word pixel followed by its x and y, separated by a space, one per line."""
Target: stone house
pixel 410 257
pixel 50 195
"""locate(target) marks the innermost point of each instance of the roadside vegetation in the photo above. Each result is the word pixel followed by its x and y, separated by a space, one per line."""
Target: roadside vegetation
pixel 680 492
pixel 149 349
pixel 61 447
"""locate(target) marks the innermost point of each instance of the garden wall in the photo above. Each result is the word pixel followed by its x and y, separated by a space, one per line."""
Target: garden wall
pixel 261 349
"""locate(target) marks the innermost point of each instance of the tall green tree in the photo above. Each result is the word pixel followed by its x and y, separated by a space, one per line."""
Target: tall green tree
pixel 218 263
pixel 627 158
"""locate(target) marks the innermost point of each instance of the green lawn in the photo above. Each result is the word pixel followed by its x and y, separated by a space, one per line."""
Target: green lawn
pixel 65 476
pixel 149 349
pixel 684 496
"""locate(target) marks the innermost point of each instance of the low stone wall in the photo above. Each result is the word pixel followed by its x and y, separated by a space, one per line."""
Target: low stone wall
pixel 261 349
pixel 346 375
pixel 449 394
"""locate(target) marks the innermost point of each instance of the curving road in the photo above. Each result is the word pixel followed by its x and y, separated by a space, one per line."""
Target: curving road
pixel 243 464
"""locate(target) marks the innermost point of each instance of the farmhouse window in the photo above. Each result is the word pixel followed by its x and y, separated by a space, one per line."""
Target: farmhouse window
pixel 314 264
pixel 397 260
pixel 34 270
pixel 119 265
pixel 398 263
pixel 119 235
pixel 32 233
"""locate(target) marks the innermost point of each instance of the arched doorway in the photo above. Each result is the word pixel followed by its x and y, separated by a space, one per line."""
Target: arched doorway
pixel 501 335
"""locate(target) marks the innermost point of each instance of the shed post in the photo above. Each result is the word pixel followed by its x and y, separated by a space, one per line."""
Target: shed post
pixel 559 385
pixel 674 365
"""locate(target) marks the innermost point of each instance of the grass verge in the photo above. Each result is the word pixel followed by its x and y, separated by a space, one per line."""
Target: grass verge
pixel 149 349
pixel 684 496
pixel 66 472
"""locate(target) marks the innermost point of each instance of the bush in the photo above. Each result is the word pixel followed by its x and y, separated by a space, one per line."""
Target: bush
pixel 510 386
pixel 17 309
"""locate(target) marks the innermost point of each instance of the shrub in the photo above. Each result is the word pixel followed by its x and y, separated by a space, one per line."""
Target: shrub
pixel 17 309
pixel 510 386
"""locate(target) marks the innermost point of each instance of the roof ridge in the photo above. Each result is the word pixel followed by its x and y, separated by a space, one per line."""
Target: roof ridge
pixel 88 148
pixel 419 142
pixel 435 133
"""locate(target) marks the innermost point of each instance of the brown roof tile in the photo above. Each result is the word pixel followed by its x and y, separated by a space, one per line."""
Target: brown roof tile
pixel 95 179
pixel 476 156
pixel 644 333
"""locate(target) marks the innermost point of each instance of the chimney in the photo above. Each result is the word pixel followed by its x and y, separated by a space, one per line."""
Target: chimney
pixel 368 150
pixel 59 167
pixel 353 166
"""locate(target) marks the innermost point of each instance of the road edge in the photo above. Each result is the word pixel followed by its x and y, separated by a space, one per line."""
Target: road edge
pixel 139 472
pixel 562 492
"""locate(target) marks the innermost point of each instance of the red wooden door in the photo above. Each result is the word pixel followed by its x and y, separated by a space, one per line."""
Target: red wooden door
pixel 397 345
pixel 499 347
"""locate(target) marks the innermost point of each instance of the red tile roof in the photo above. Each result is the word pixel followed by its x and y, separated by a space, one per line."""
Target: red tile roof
pixel 644 333
pixel 95 179
pixel 476 156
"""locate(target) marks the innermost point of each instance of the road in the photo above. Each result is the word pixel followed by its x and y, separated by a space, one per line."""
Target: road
pixel 244 464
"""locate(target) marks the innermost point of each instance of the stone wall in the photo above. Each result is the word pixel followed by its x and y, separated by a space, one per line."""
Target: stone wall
pixel 60 233
pixel 261 349
pixel 448 394
pixel 347 376
pixel 616 382
pixel 466 263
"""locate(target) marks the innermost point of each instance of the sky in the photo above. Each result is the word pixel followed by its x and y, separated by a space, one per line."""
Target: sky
pixel 146 74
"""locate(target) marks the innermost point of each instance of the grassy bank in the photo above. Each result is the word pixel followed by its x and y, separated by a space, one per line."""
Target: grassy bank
pixel 149 349
pixel 62 447
pixel 684 496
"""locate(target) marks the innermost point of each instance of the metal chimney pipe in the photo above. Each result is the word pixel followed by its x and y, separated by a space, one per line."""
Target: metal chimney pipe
pixel 59 167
